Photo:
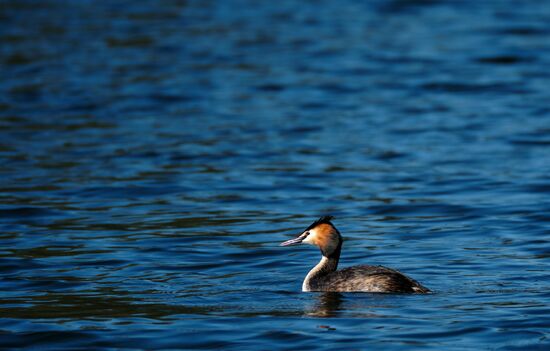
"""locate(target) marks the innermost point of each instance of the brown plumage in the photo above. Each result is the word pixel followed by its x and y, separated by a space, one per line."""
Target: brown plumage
pixel 324 276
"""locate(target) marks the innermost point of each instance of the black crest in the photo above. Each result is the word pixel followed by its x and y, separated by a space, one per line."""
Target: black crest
pixel 324 219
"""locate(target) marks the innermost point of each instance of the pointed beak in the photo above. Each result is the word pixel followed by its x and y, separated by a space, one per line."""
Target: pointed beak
pixel 291 242
pixel 295 241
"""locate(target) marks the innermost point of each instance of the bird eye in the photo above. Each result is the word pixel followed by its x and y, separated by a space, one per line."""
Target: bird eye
pixel 307 233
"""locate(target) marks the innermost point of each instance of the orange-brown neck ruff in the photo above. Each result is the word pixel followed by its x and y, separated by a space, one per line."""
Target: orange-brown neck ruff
pixel 328 239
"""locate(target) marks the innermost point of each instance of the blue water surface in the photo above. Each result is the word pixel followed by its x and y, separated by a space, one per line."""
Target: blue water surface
pixel 154 154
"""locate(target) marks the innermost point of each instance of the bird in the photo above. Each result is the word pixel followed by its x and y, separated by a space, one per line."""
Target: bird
pixel 363 278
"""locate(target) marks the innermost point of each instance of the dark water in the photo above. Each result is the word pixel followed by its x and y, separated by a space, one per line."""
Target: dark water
pixel 154 154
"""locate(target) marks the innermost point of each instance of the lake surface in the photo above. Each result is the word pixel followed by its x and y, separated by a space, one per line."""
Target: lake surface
pixel 155 153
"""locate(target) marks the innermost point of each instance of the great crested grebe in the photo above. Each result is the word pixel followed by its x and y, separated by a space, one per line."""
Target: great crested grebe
pixel 325 277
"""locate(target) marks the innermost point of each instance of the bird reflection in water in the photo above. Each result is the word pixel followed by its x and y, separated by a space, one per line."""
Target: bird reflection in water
pixel 327 305
pixel 333 304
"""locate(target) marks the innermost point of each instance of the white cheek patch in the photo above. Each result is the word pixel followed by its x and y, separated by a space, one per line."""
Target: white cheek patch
pixel 310 237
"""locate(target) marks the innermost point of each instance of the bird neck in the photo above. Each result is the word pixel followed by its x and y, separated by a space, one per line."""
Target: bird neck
pixel 327 265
